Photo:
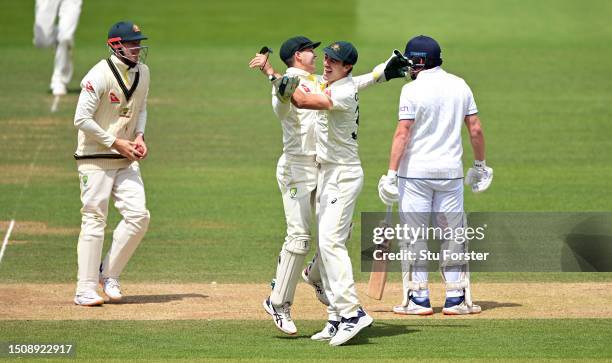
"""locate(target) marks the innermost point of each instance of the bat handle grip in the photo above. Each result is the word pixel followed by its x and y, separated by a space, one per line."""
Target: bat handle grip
pixel 388 215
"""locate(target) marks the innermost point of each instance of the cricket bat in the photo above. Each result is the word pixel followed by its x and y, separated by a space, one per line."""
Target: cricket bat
pixel 378 276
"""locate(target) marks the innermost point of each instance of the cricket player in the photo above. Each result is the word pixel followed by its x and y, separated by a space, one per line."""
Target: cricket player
pixel 298 169
pixel 296 174
pixel 340 182
pixel 48 33
pixel 111 115
pixel 426 172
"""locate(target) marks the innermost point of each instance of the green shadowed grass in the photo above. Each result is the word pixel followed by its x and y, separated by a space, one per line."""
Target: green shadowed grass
pixel 392 340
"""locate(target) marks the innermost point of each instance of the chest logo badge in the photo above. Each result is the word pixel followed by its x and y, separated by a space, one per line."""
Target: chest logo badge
pixel 113 98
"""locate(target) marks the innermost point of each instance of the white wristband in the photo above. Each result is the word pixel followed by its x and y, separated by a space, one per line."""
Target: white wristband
pixel 392 173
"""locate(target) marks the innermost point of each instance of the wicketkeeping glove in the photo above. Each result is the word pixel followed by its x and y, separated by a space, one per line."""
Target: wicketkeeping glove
pixel 387 188
pixel 285 86
pixel 479 176
pixel 394 67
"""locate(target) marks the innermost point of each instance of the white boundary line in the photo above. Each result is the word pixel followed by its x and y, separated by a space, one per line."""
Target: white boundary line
pixel 6 238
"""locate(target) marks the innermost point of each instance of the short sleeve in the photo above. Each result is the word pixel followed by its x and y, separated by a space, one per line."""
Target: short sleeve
pixel 407 105
pixel 471 108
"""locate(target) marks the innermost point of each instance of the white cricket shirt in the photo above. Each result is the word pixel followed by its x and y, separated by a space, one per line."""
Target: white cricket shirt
pixel 104 111
pixel 438 102
pixel 337 128
pixel 298 124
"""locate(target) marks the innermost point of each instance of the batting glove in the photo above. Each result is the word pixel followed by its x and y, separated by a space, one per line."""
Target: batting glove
pixel 387 188
pixel 479 176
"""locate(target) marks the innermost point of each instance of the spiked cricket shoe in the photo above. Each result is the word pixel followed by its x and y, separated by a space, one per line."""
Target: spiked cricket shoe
pixel 281 317
pixel 331 328
pixel 317 286
pixel 349 327
pixel 457 306
pixel 88 299
pixel 111 288
pixel 416 306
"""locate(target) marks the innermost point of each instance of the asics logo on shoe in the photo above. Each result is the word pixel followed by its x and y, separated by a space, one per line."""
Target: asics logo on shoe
pixel 278 318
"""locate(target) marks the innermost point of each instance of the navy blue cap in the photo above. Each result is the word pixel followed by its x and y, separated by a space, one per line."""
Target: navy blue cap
pixel 295 44
pixel 127 31
pixel 342 51
pixel 423 47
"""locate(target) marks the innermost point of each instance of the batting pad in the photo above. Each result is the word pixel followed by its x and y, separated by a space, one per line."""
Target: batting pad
pixel 289 271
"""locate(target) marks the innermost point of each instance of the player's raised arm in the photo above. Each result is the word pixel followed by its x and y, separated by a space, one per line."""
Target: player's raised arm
pixel 394 67
pixel 262 62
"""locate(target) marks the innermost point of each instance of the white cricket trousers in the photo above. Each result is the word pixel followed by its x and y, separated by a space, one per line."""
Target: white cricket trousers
pixel 48 34
pixel 126 188
pixel 339 186
pixel 297 181
pixel 420 197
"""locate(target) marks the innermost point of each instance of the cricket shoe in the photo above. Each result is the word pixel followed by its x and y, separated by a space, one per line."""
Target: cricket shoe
pixel 457 306
pixel 281 316
pixel 349 327
pixel 331 328
pixel 59 89
pixel 317 286
pixel 416 306
pixel 111 288
pixel 90 298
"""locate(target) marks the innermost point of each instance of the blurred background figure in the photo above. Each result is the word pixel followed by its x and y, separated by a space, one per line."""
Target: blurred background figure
pixel 54 26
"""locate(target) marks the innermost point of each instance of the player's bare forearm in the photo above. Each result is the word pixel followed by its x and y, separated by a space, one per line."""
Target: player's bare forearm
pixel 262 62
pixel 400 141
pixel 301 99
pixel 476 136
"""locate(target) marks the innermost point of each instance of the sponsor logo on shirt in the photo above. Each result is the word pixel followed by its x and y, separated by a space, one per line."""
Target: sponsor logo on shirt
pixel 306 89
pixel 89 87
pixel 125 112
pixel 114 98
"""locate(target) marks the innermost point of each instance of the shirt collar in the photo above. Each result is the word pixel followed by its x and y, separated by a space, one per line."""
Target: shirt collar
pixel 297 71
pixel 433 70
pixel 122 67
pixel 341 81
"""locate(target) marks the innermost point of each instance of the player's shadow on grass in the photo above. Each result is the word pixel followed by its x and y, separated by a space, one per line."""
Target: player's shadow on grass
pixel 486 305
pixel 381 329
pixel 378 329
pixel 159 299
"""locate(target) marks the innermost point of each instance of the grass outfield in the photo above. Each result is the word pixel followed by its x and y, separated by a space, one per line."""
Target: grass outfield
pixel 394 340
pixel 214 142
pixel 540 75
